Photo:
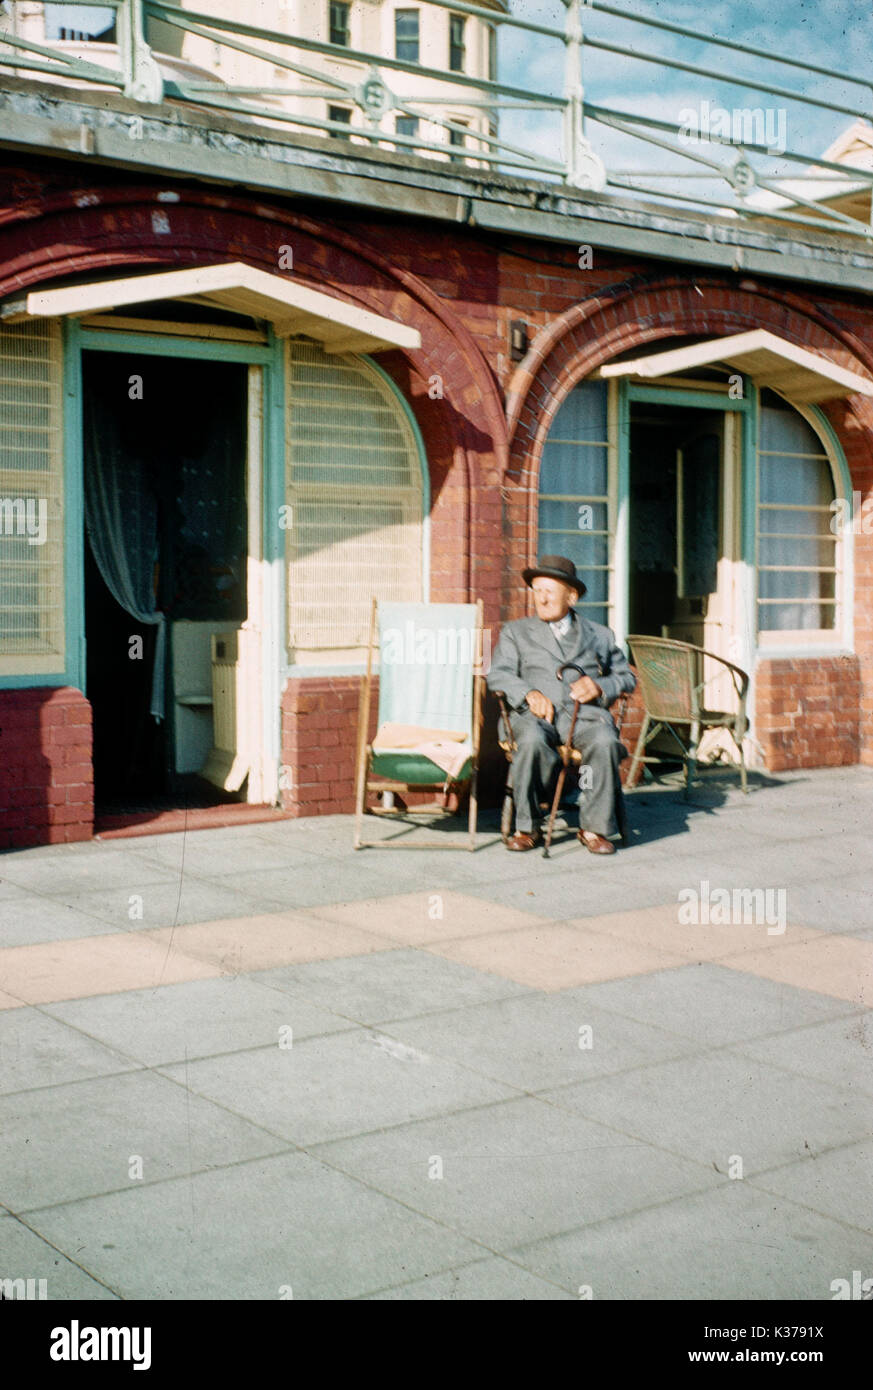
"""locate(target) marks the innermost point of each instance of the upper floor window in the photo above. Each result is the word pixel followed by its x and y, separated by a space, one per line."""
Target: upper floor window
pixel 457 47
pixel 492 53
pixel 457 140
pixel 338 22
pixel 79 23
pixel 797 544
pixel 341 114
pixel 406 35
pixel 408 126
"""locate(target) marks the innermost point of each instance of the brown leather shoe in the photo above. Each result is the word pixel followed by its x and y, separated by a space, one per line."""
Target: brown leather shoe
pixel 523 840
pixel 597 844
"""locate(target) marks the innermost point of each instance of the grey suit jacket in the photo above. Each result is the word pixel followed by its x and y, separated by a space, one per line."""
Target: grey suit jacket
pixel 529 654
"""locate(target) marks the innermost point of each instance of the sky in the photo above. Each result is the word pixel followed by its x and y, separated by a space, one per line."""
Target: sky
pixel 831 33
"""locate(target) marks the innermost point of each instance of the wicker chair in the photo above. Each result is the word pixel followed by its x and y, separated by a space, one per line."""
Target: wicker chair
pixel 568 757
pixel 672 684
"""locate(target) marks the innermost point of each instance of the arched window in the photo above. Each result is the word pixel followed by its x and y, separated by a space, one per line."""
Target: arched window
pixel 797 550
pixel 355 492
pixel 573 514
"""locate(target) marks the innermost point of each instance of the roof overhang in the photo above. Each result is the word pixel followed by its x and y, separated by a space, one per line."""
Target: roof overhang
pixel 795 372
pixel 292 308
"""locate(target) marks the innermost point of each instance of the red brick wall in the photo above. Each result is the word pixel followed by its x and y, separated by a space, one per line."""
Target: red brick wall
pixel 319 724
pixel 319 728
pixel 461 288
pixel 46 774
pixel 807 712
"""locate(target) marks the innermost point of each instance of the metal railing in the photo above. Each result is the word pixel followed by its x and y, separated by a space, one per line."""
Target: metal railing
pixel 723 169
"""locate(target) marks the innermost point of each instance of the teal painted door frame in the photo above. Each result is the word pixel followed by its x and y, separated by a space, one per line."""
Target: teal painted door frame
pixel 746 407
pixel 270 358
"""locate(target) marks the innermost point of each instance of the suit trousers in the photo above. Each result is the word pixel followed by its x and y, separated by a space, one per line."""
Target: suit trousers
pixel 536 760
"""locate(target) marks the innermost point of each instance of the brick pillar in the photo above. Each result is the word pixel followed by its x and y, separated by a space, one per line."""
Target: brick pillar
pixel 46 768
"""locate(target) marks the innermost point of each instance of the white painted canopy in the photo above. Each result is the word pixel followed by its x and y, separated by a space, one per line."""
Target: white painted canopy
pixel 291 308
pixel 797 373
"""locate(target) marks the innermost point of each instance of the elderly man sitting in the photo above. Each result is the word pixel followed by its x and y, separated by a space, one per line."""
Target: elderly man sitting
pixel 524 667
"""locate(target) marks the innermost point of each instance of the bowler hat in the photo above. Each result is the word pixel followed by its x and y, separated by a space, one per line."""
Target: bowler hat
pixel 555 567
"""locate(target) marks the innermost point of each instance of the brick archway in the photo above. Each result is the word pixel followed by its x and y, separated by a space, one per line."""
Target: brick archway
pixel 597 330
pixel 593 332
pixel 448 384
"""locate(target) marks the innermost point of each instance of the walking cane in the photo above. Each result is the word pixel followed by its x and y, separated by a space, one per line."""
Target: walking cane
pixel 567 749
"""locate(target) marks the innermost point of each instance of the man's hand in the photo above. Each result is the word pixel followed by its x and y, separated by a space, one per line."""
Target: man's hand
pixel 584 690
pixel 540 706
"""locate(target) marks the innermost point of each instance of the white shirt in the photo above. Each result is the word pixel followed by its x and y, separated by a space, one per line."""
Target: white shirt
pixel 562 626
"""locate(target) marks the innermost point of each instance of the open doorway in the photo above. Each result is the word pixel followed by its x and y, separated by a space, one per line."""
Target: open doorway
pixel 684 536
pixel 166 533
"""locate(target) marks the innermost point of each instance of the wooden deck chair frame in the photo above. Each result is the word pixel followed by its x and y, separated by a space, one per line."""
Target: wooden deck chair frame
pixel 671 682
pixel 366 783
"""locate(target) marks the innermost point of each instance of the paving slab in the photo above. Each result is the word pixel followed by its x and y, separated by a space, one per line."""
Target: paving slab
pixel 733 1242
pixel 275 1228
pixel 37 1051
pixel 388 985
pixel 662 928
pixel 535 1042
pixel 716 1005
pixel 187 899
pixel 838 1184
pixel 56 875
pixel 716 1107
pixel 81 1139
pixel 518 1171
pixel 29 918
pixel 313 881
pixel 832 964
pixel 564 887
pixel 556 955
pixel 219 854
pixel 26 1255
pixel 490 1280
pixel 435 1004
pixel 55 970
pixel 327 1087
pixel 229 946
pixel 834 903
pixel 203 1018
pixel 839 1052
pixel 425 917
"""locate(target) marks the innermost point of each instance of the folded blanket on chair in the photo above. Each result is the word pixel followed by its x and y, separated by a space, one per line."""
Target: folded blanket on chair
pixel 448 748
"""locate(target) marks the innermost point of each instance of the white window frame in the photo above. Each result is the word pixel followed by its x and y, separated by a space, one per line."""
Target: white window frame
pixel 773 643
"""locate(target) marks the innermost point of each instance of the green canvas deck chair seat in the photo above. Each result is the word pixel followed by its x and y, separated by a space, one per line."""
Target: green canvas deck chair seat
pixel 674 690
pixel 431 685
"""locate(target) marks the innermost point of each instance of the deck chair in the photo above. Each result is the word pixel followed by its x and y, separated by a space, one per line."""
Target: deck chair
pixel 673 687
pixel 431 685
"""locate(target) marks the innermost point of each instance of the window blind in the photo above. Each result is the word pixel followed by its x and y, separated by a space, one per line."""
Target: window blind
pixel 354 490
pixel 573 512
pixel 31 499
pixel 797 548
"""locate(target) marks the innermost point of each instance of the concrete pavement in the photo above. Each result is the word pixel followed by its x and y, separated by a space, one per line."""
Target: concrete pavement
pixel 250 1063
